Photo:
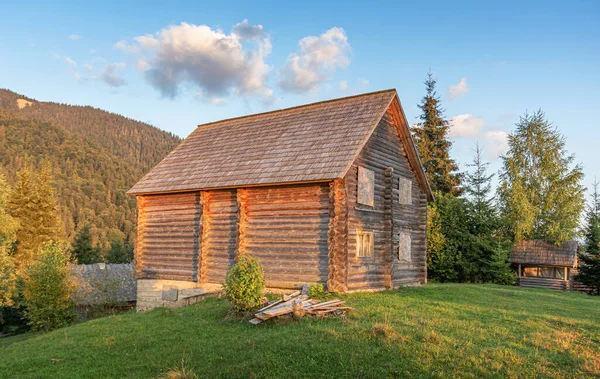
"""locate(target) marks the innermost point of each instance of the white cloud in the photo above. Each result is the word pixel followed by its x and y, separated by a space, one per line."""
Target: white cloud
pixel 88 67
pixel 465 125
pixel 344 86
pixel 147 42
pixel 74 37
pixel 70 61
pixel 142 64
pixel 318 58
pixel 363 82
pixel 497 143
pixel 111 75
pixel 471 127
pixel 126 48
pixel 215 62
pixel 457 90
pixel 247 32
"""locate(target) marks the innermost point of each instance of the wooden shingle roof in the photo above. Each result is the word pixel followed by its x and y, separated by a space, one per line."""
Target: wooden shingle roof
pixel 536 252
pixel 309 143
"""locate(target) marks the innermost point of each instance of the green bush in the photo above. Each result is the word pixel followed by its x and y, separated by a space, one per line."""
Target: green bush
pixel 317 291
pixel 245 283
pixel 49 286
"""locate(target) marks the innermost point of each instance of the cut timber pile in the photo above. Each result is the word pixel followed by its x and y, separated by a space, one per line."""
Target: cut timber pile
pixel 298 305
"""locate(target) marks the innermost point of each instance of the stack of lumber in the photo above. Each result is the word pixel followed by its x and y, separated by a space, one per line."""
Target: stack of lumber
pixel 298 305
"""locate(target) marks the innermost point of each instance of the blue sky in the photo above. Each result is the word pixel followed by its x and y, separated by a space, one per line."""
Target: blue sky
pixel 201 61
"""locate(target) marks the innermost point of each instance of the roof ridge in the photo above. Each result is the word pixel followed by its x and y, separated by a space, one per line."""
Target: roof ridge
pixel 298 107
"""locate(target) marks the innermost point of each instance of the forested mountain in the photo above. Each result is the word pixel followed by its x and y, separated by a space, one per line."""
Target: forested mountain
pixel 96 156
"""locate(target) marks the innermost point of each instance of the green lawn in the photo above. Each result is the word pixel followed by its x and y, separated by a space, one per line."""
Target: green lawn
pixel 437 330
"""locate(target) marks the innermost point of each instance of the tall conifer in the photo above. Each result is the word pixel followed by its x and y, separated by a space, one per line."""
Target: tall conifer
pixel 589 260
pixel 434 148
pixel 33 205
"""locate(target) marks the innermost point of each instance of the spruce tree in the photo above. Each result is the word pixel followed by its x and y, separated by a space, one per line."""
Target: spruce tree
pixel 540 193
pixel 589 259
pixel 49 222
pixel 8 228
pixel 22 206
pixel 83 249
pixel 486 253
pixel 120 251
pixel 434 148
pixel 33 205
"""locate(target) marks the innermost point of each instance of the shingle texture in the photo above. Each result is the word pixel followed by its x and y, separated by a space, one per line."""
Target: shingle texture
pixel 105 283
pixel 308 143
pixel 541 253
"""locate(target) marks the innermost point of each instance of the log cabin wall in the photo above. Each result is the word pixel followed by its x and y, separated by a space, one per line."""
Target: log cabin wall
pixel 167 240
pixel 286 227
pixel 219 223
pixel 387 218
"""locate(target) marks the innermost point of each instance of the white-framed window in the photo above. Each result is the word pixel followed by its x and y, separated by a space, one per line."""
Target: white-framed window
pixel 366 187
pixel 404 247
pixel 405 191
pixel 365 244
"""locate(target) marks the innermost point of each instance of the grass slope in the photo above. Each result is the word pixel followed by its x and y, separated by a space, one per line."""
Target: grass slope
pixel 431 331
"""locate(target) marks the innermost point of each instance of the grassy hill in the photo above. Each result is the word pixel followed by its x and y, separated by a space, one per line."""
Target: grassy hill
pixel 96 157
pixel 431 331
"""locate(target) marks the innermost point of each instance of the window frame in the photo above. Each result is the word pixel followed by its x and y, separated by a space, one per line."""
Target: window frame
pixel 360 244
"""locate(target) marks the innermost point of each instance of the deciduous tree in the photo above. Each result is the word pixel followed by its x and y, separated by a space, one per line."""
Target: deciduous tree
pixel 540 189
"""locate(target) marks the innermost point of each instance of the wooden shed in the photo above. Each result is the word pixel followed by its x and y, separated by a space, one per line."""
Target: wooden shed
pixel 541 264
pixel 331 192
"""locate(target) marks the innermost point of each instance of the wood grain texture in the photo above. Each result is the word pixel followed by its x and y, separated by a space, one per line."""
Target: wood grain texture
pixel 337 237
pixel 385 153
pixel 219 234
pixel 167 236
pixel 286 228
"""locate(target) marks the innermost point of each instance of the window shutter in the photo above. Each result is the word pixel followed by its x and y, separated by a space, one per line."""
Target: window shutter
pixel 366 187
pixel 404 247
pixel 405 188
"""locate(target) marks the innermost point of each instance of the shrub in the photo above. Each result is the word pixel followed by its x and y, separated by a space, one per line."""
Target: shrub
pixel 317 291
pixel 245 283
pixel 49 285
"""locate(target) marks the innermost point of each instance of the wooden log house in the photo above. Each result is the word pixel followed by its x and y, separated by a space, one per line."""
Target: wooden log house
pixel 331 192
pixel 544 265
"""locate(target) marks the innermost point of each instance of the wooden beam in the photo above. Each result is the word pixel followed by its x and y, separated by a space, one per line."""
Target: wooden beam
pixel 388 227
pixel 241 223
pixel 337 237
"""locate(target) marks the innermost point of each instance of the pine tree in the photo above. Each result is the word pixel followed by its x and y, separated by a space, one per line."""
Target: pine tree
pixel 589 260
pixel 33 205
pixel 83 249
pixel 487 253
pixel 8 224
pixel 541 196
pixel 49 222
pixel 120 251
pixel 478 188
pixel 8 228
pixel 434 148
pixel 22 206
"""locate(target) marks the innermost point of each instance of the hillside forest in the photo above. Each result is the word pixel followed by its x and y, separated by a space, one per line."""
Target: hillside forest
pixel 86 157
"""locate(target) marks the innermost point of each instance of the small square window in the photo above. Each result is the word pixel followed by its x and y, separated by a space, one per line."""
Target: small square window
pixel 365 245
pixel 366 187
pixel 404 247
pixel 405 188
